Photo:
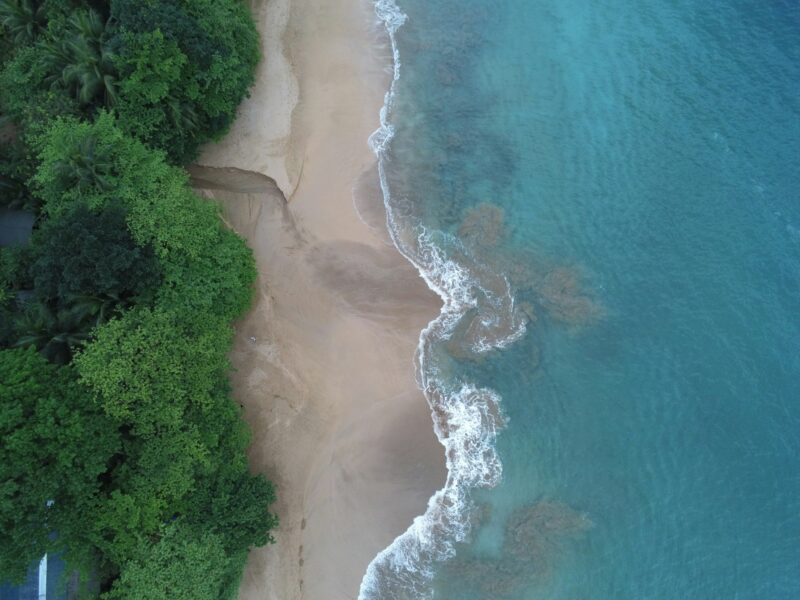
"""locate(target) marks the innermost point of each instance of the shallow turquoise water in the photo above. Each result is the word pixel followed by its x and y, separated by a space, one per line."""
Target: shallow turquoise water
pixel 629 169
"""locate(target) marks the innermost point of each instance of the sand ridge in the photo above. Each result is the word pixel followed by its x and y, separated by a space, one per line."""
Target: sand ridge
pixel 324 360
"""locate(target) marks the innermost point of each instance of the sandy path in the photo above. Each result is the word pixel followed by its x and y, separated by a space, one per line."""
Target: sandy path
pixel 325 358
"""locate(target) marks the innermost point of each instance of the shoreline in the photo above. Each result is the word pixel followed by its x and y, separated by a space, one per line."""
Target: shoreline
pixel 325 359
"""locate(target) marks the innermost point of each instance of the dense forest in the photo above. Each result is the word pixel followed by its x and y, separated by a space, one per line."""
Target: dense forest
pixel 120 446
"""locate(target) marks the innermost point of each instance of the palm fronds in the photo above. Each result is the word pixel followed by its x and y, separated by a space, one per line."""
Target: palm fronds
pixel 24 19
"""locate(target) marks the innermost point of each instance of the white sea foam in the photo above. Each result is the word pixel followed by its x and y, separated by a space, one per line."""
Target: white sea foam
pixel 466 418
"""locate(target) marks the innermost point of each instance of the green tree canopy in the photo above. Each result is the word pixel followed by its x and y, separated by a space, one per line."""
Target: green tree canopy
pixel 55 332
pixel 148 369
pixel 25 96
pixel 139 275
pixel 235 506
pixel 13 276
pixel 173 71
pixel 85 267
pixel 180 565
pixel 92 253
pixel 185 66
pixel 16 169
pixel 68 68
pixel 207 268
pixel 197 470
pixel 54 446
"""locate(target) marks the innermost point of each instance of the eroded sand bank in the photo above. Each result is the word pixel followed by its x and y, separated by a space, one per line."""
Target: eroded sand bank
pixel 325 358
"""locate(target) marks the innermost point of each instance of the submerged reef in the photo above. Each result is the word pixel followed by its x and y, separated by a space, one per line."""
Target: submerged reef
pixel 536 287
pixel 534 538
pixel 483 226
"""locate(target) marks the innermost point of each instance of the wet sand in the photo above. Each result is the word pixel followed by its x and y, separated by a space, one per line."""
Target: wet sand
pixel 324 360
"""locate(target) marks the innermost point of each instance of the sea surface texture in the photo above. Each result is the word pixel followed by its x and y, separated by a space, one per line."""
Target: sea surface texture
pixel 606 195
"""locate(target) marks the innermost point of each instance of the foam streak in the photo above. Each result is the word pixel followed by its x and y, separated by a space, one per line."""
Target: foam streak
pixel 466 418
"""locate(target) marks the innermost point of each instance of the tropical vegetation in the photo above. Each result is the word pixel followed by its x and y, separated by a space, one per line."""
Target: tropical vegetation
pixel 120 445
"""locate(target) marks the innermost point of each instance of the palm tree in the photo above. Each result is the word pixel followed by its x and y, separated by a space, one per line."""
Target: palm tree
pixel 24 19
pixel 85 168
pixel 97 309
pixel 182 115
pixel 93 72
pixel 53 333
pixel 82 61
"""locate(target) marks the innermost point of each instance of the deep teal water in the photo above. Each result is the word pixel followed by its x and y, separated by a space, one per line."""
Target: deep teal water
pixel 621 177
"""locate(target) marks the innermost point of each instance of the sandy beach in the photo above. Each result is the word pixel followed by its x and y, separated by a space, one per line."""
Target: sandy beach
pixel 324 360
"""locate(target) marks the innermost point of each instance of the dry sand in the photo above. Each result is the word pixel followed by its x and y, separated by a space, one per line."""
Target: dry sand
pixel 325 358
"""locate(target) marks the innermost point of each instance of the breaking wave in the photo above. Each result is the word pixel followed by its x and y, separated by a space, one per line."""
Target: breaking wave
pixel 479 313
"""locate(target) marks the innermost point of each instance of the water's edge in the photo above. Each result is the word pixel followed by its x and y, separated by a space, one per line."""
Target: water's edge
pixel 466 418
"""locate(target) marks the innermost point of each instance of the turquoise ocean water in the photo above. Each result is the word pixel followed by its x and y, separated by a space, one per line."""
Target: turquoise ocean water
pixel 607 196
